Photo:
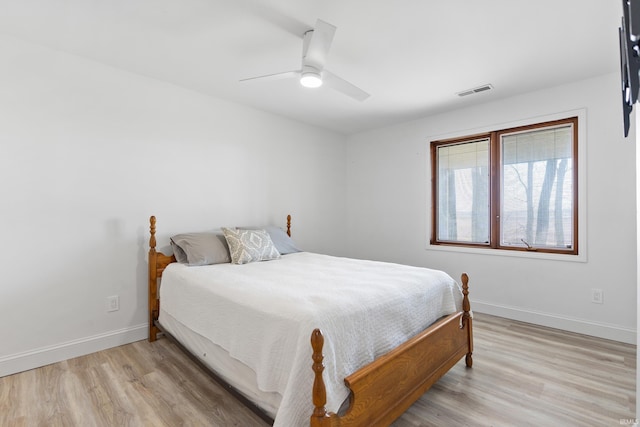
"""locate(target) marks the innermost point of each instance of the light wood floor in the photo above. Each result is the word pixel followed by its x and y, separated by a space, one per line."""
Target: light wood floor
pixel 523 375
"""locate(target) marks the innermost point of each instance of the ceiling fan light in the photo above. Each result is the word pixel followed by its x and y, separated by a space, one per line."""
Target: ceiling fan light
pixel 311 79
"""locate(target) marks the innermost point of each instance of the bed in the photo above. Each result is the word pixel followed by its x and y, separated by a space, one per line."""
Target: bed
pixel 380 360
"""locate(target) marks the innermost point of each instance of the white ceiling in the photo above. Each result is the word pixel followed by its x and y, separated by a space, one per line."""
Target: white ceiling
pixel 412 56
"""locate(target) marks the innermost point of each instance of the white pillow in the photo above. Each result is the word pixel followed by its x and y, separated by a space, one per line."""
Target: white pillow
pixel 249 245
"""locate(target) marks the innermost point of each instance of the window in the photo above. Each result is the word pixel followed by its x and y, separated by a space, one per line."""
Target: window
pixel 513 189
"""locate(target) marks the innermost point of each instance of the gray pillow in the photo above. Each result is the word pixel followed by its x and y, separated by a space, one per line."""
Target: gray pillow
pixel 250 245
pixel 200 248
pixel 280 238
pixel 181 257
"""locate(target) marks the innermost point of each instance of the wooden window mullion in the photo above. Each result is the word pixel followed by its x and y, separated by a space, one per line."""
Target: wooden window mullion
pixel 494 167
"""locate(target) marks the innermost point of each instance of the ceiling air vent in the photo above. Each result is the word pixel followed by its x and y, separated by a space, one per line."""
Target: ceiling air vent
pixel 478 89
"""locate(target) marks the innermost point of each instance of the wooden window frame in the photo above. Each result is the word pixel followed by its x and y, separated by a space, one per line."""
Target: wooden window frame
pixel 495 179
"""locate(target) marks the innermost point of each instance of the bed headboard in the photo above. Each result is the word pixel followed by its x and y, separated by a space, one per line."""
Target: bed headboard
pixel 157 263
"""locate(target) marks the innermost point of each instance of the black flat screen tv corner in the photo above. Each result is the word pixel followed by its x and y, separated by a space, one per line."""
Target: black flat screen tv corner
pixel 627 106
pixel 629 35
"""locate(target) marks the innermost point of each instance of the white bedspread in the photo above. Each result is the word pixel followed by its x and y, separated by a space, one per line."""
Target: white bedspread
pixel 263 315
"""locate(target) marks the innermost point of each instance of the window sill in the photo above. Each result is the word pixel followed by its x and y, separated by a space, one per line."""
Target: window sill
pixel 581 257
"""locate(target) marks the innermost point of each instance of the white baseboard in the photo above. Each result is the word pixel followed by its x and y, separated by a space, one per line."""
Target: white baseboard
pixel 581 326
pixel 25 361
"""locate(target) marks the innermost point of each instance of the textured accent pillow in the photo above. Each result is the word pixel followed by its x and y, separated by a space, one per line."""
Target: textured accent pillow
pixel 279 237
pixel 200 248
pixel 250 245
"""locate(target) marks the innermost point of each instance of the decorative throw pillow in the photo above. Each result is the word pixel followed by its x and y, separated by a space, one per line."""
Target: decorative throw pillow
pixel 250 245
pixel 279 237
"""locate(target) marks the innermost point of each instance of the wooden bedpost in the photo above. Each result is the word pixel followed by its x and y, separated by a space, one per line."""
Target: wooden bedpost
pixel 289 225
pixel 320 415
pixel 153 281
pixel 157 263
pixel 467 319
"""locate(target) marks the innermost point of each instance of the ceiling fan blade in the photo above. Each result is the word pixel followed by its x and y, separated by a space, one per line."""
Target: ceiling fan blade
pixel 317 44
pixel 343 86
pixel 276 76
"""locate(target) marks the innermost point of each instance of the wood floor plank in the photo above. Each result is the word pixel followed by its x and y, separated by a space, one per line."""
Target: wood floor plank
pixel 523 375
pixel 529 375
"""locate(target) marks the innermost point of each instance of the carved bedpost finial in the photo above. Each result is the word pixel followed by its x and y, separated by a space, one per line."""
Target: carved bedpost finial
pixel 152 228
pixel 289 225
pixel 466 306
pixel 319 389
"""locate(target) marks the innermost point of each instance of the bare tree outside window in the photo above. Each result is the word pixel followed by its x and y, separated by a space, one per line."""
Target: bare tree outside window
pixel 537 192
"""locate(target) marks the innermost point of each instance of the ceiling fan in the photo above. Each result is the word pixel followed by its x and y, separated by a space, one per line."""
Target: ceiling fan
pixel 315 48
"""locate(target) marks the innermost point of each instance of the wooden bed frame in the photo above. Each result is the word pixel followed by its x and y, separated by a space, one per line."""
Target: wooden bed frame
pixel 382 390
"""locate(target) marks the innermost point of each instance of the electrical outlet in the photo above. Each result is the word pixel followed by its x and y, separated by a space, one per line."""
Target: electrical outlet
pixel 113 303
pixel 597 296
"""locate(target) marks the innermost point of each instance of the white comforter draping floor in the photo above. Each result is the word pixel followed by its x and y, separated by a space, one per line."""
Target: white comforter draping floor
pixel 263 314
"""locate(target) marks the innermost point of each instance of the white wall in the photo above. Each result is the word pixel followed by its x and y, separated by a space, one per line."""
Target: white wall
pixel 388 208
pixel 89 152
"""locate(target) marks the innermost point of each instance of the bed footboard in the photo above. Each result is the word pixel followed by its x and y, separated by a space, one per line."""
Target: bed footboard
pixel 384 389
